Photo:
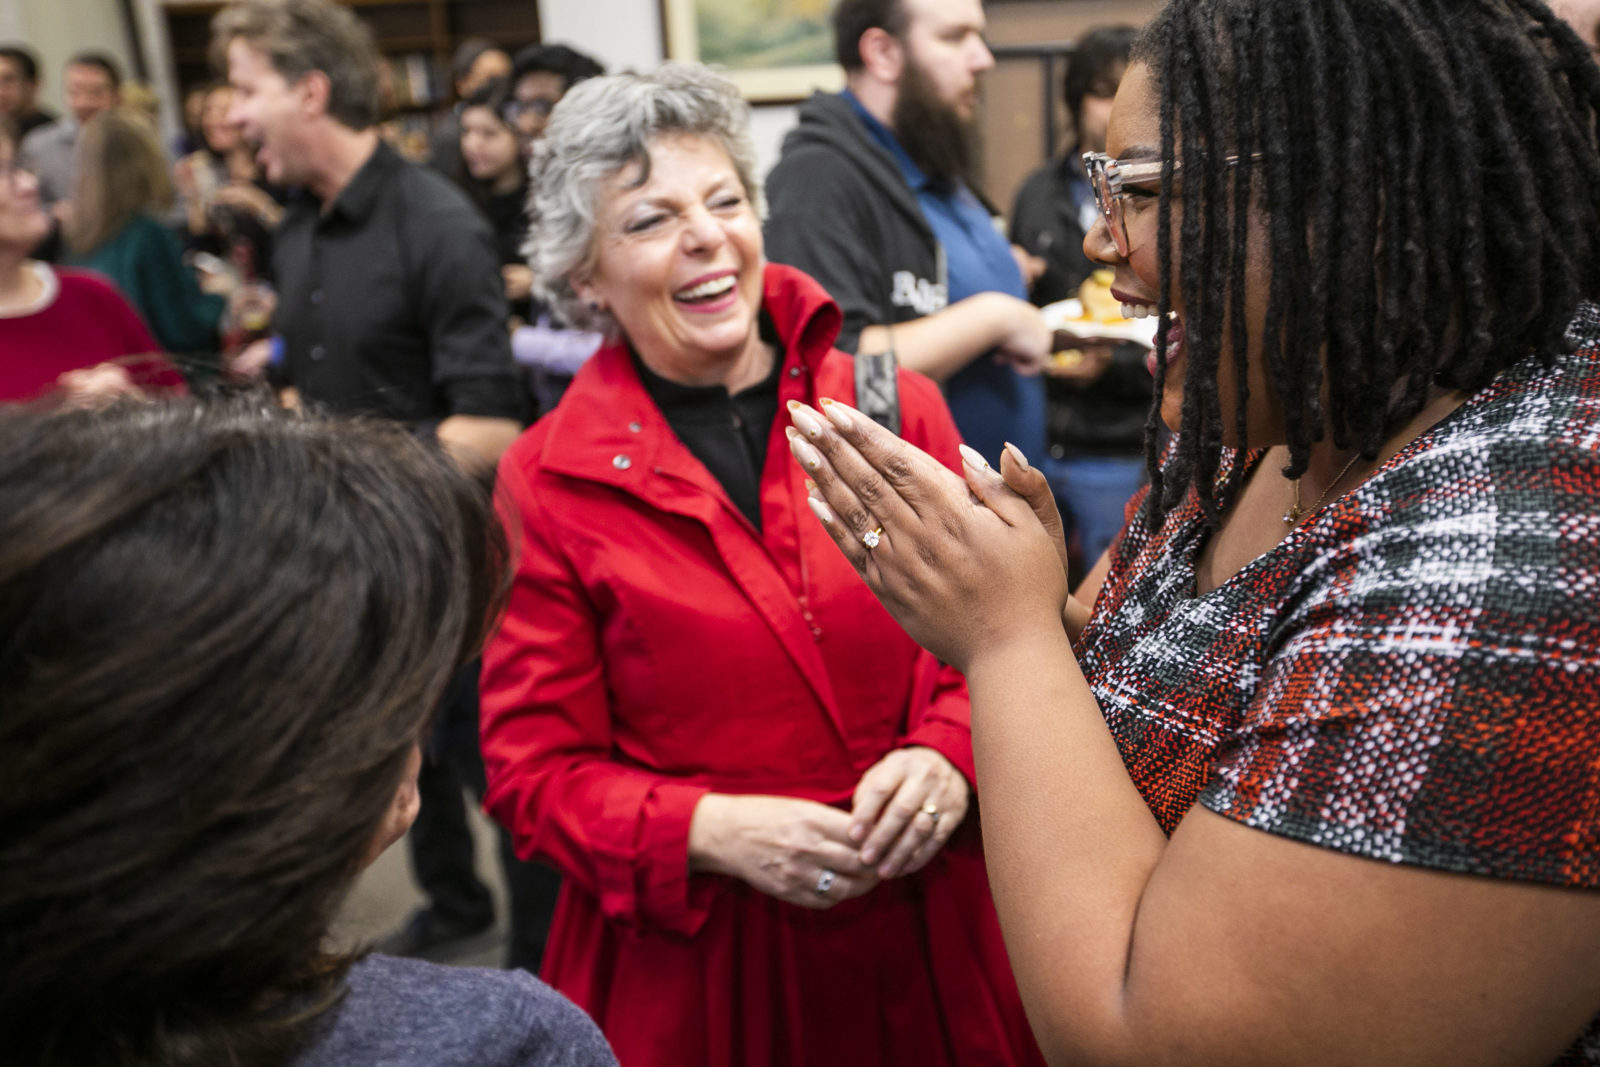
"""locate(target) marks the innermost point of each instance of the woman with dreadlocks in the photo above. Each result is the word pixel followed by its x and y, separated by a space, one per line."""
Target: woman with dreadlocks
pixel 1311 772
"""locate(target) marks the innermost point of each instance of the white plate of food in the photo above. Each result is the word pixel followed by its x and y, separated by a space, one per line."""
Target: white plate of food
pixel 1066 316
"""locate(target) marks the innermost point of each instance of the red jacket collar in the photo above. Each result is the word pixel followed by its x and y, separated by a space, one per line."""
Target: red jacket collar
pixel 607 428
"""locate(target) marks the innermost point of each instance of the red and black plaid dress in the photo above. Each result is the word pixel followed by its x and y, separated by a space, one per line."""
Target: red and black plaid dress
pixel 1413 675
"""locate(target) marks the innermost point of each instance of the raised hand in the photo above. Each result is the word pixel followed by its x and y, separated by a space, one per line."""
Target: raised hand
pixel 958 566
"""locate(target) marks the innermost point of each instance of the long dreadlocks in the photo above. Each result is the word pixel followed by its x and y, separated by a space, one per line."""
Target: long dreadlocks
pixel 1429 174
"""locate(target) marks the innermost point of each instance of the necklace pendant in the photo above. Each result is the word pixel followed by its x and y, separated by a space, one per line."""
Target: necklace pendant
pixel 1292 516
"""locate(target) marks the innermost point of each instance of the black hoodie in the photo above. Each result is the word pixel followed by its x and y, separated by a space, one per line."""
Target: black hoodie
pixel 841 211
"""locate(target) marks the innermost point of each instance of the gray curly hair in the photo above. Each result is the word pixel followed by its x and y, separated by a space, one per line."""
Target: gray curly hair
pixel 601 126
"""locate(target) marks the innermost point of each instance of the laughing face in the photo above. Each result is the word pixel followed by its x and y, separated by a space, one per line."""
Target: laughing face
pixel 678 262
pixel 1134 136
pixel 268 111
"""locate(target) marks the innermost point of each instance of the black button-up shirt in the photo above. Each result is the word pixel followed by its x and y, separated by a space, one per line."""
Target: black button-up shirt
pixel 391 303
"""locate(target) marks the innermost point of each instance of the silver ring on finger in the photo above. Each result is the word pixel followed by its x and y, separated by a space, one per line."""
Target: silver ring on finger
pixel 931 810
pixel 825 882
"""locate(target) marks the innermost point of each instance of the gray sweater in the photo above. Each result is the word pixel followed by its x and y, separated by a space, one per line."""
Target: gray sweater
pixel 407 1013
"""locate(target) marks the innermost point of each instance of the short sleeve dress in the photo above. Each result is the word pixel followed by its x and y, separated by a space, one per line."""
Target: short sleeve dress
pixel 1413 674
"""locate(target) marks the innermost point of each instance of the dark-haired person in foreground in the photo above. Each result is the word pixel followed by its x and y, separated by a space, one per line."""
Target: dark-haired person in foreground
pixel 221 632
pixel 1307 773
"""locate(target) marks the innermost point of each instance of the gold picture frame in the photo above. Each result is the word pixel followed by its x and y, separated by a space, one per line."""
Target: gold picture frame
pixel 775 51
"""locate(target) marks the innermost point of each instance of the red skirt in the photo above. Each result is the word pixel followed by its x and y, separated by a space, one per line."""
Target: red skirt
pixel 913 974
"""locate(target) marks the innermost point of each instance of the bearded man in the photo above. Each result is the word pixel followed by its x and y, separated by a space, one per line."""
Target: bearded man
pixel 872 197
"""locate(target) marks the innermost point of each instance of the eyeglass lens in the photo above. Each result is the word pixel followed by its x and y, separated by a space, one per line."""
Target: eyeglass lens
pixel 1110 207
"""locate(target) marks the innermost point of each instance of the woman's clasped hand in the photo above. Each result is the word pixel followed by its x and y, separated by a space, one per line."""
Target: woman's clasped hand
pixel 960 565
pixel 906 806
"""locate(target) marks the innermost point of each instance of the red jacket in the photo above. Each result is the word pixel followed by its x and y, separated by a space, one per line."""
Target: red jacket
pixel 657 647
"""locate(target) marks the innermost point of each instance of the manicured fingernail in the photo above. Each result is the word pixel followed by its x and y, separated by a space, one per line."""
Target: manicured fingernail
pixel 820 510
pixel 836 413
pixel 808 456
pixel 1016 454
pixel 973 458
pixel 790 432
pixel 811 486
pixel 803 419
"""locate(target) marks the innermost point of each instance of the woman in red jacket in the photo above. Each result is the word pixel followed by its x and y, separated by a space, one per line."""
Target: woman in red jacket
pixel 757 786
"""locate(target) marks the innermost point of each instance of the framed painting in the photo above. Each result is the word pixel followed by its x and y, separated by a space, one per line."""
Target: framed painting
pixel 776 51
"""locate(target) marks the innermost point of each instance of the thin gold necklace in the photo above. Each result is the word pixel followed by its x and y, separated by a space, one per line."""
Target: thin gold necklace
pixel 1294 514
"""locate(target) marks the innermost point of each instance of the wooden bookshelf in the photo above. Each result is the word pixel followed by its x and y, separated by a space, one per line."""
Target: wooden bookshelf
pixel 417 37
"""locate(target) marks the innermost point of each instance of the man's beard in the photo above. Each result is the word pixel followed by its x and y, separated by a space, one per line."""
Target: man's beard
pixel 931 131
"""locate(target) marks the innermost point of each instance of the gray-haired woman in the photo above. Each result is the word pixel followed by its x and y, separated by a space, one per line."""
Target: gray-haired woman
pixel 754 782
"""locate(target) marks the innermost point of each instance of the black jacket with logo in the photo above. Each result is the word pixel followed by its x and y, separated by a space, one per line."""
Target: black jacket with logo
pixel 840 210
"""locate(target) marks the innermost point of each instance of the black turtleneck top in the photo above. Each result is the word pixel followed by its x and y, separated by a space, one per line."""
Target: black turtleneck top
pixel 726 432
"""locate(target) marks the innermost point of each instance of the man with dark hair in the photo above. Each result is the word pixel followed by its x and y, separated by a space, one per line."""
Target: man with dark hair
pixel 390 301
pixel 19 90
pixel 1098 405
pixel 872 197
pixel 475 63
pixel 92 83
pixel 541 74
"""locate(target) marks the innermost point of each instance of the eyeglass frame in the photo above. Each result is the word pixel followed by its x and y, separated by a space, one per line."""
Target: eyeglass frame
pixel 1107 175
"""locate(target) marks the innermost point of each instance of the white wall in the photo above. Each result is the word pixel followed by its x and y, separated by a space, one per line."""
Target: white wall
pixel 625 34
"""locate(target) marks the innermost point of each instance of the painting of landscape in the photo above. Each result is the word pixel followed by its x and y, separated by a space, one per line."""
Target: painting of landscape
pixel 752 34
pixel 774 49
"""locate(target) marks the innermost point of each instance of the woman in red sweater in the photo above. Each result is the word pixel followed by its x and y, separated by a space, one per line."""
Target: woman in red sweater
pixel 62 329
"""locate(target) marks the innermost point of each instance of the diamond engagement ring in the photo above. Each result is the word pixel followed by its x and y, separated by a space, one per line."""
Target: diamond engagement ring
pixel 931 810
pixel 825 882
pixel 872 537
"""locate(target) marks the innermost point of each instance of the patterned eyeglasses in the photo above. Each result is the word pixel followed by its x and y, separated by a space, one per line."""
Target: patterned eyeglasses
pixel 1110 177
